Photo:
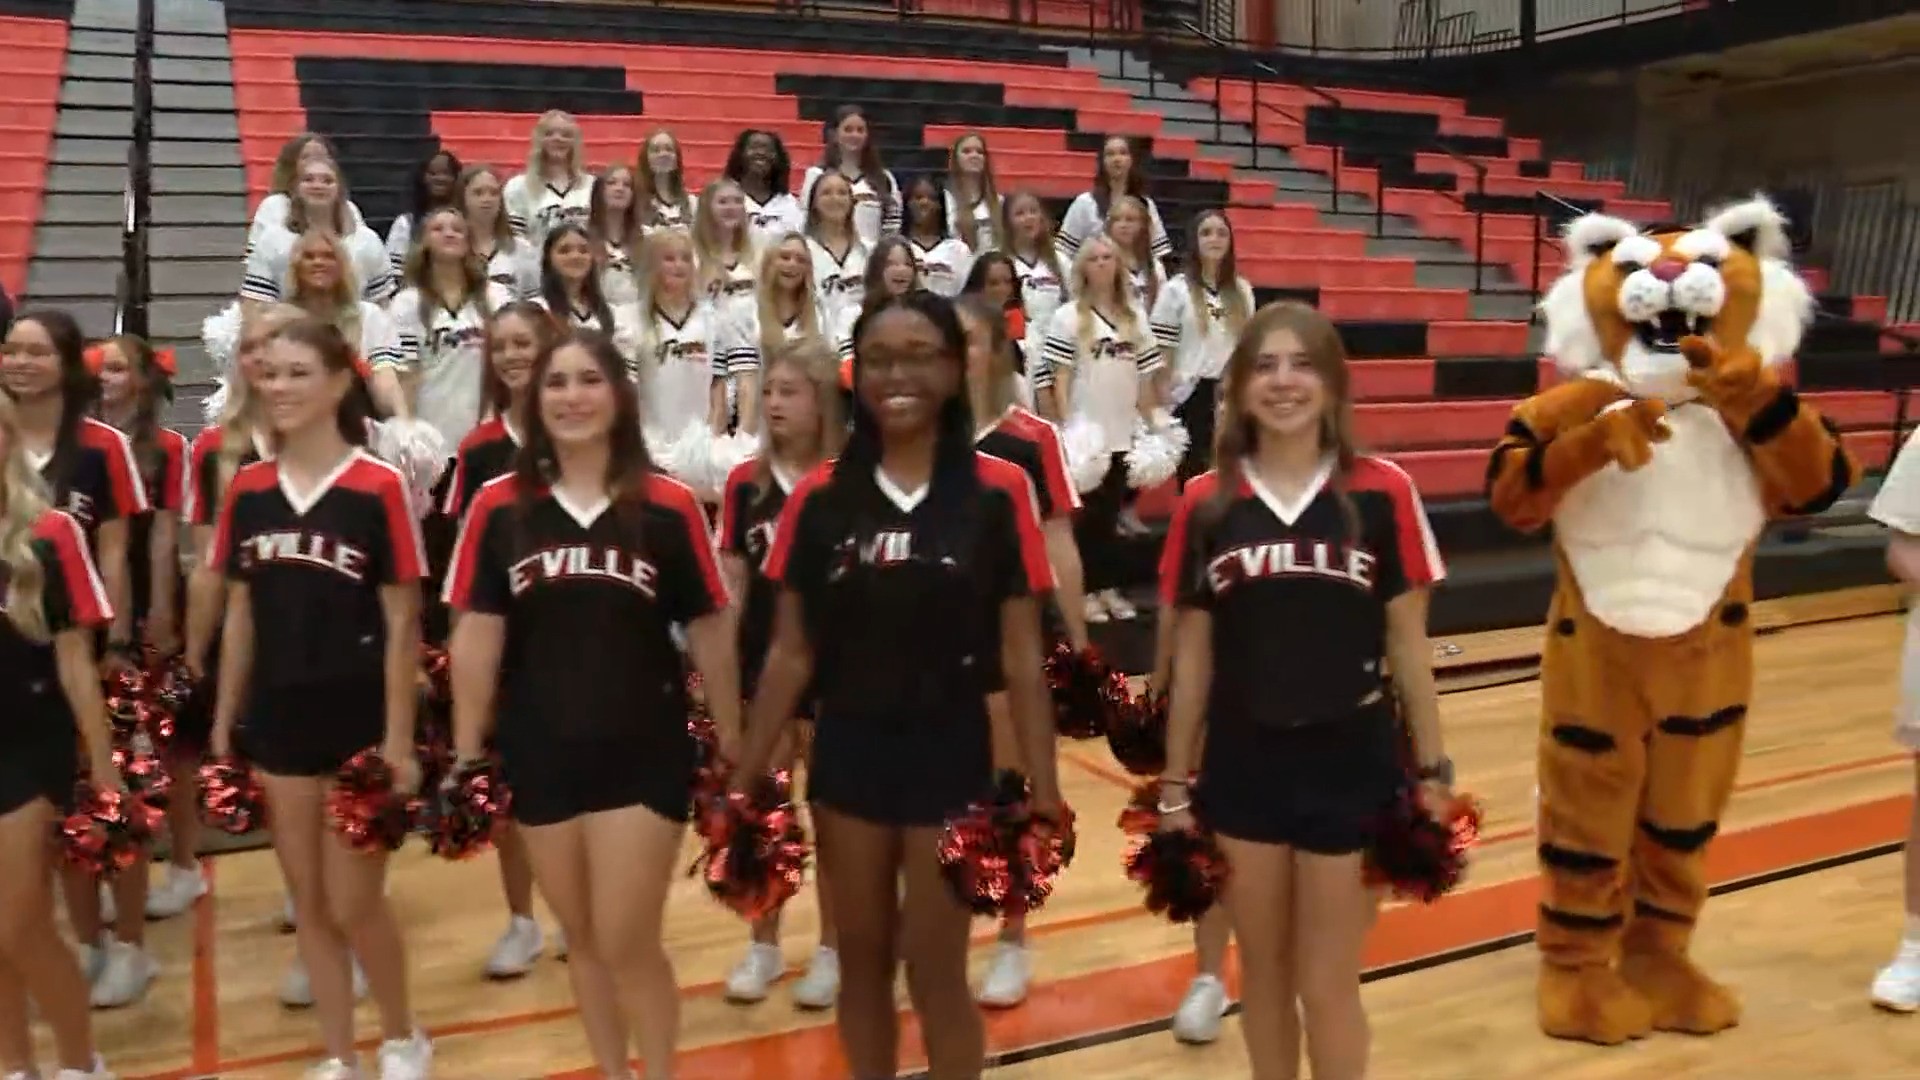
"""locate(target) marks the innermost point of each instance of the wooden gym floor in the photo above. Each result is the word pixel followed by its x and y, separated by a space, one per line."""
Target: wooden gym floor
pixel 1807 865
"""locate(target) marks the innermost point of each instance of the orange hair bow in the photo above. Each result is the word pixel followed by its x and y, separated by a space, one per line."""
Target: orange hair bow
pixel 362 368
pixel 165 360
pixel 95 357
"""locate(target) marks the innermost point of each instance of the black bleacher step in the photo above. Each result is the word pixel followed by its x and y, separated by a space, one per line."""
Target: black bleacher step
pixel 1535 168
pixel 1556 213
pixel 1494 146
pixel 1386 339
pixel 1485 377
pixel 854 88
pixel 1859 370
pixel 1840 336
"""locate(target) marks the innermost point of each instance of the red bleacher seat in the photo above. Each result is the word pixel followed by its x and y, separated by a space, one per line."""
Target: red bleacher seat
pixel 36 56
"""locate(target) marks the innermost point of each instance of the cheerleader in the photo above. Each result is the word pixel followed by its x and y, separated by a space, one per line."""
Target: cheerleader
pixel 1013 434
pixel 1043 283
pixel 555 187
pixel 51 607
pixel 1127 228
pixel 89 470
pixel 1119 173
pixel 1100 359
pixel 680 363
pixel 664 184
pixel 613 221
pixel 786 306
pixel 136 383
pixel 322 286
pixel 759 163
pixel 889 273
pixel 435 184
pixel 1282 661
pixel 1897 506
pixel 321 536
pixel 516 335
pixel 510 260
pixel 319 208
pixel 910 519
pixel 724 248
pixel 853 156
pixel 972 199
pixel 839 255
pixel 804 427
pixel 993 276
pixel 288 165
pixel 440 324
pixel 592 727
pixel 943 261
pixel 1198 317
pixel 570 288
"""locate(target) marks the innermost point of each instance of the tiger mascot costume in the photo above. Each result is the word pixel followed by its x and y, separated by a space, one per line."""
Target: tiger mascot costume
pixel 1657 461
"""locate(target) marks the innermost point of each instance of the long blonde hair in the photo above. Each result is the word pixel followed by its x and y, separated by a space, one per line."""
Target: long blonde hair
pixel 297 221
pixel 713 252
pixel 536 157
pixel 772 330
pixel 654 249
pixel 815 360
pixel 23 501
pixel 1138 256
pixel 346 289
pixel 1126 320
pixel 419 273
pixel 240 416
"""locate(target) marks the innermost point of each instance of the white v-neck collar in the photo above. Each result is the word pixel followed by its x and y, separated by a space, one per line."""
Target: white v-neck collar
pixel 303 503
pixel 506 425
pixel 1288 513
pixel 989 429
pixel 36 460
pixel 902 499
pixel 781 476
pixel 583 516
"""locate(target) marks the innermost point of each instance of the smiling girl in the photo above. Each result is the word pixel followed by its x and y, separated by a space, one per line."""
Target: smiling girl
pixel 852 154
pixel 555 188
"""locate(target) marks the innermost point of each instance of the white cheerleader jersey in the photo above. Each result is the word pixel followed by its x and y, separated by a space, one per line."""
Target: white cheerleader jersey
pixel 534 207
pixel 677 365
pixel 1084 219
pixel 841 282
pixel 944 266
pixel 775 218
pixel 983 217
pixel 743 340
pixel 445 355
pixel 1106 373
pixel 268 276
pixel 876 212
pixel 272 211
pixel 1176 326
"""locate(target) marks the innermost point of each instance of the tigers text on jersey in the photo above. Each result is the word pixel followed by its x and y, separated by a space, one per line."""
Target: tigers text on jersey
pixel 678 363
pixel 839 282
pixel 444 354
pixel 943 267
pixel 98 481
pixel 268 276
pixel 983 217
pixel 661 214
pixel 871 561
pixel 876 205
pixel 516 267
pixel 732 288
pixel 1042 290
pixel 314 563
pixel 1297 595
pixel 1193 354
pixel 485 453
pixel 590 596
pixel 535 207
pixel 775 218
pixel 72 597
pixel 749 517
pixel 1033 443
pixel 1106 372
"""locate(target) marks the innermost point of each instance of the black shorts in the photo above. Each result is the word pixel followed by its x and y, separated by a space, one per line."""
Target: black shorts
pixel 554 781
pixel 313 730
pixel 1322 787
pixel 40 765
pixel 901 773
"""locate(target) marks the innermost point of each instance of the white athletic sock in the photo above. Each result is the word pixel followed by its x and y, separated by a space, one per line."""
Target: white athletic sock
pixel 1911 942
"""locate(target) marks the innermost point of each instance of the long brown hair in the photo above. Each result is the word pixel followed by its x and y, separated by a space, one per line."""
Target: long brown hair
pixel 152 388
pixel 817 362
pixel 1238 436
pixel 965 225
pixel 419 271
pixel 336 355
pixel 629 465
pixel 1233 299
pixel 993 319
pixel 493 390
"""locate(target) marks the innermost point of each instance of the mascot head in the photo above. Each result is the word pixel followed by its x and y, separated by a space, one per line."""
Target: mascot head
pixel 1628 297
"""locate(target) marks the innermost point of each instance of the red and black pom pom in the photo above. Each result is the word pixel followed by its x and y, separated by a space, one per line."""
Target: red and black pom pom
pixel 1000 858
pixel 756 851
pixel 463 817
pixel 436 672
pixel 1141 815
pixel 170 686
pixel 1087 692
pixel 1420 855
pixel 231 799
pixel 1138 735
pixel 145 776
pixel 710 769
pixel 368 812
pixel 107 830
pixel 1183 871
pixel 125 695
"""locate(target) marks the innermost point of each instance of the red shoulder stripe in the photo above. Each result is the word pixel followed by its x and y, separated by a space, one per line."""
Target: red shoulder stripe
pixel 129 494
pixel 664 490
pixel 731 498
pixel 776 565
pixel 1061 493
pixel 86 593
pixel 1198 490
pixel 409 551
pixel 495 493
pixel 1010 478
pixel 1420 558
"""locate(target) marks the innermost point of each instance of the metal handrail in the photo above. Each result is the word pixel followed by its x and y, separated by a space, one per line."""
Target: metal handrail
pixel 1539 234
pixel 1379 178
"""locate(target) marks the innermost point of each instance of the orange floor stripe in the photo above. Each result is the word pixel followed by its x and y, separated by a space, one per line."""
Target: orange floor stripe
pixel 206 977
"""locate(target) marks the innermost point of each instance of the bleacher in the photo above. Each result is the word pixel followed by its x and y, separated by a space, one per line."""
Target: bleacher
pixel 29 101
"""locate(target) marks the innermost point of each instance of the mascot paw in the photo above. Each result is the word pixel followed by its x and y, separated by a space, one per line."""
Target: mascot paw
pixel 1681 996
pixel 1630 428
pixel 1591 1004
pixel 1724 378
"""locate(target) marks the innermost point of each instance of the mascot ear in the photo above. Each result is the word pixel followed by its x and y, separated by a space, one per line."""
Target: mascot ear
pixel 1590 236
pixel 1756 225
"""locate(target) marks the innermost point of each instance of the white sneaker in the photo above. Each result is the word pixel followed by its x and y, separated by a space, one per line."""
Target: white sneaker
pixel 1897 987
pixel 109 911
pixel 333 1069
pixel 1096 611
pixel 98 1072
pixel 819 988
pixel 176 891
pixel 756 971
pixel 21 1076
pixel 1118 606
pixel 1008 974
pixel 1198 1018
pixel 285 921
pixel 93 958
pixel 125 976
pixel 514 954
pixel 410 1058
pixel 296 990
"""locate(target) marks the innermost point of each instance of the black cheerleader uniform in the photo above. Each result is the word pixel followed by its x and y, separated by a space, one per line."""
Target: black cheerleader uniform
pixel 193 726
pixel 485 453
pixel 902 608
pixel 38 741
pixel 314 565
pixel 98 482
pixel 164 480
pixel 1033 443
pixel 592 708
pixel 749 514
pixel 1302 745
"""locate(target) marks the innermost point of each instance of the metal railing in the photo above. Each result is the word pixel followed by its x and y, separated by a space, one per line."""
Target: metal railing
pixel 1425 145
pixel 1543 203
pixel 136 285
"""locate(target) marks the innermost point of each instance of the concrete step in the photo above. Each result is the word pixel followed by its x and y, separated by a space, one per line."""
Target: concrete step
pixel 177 152
pixel 79 242
pixel 89 94
pixel 1451 275
pixel 100 42
pixel 1404 247
pixel 62 209
pixel 94 123
pixel 102 68
pixel 93 313
pixel 196 126
pixel 72 151
pixel 87 179
pixel 211 46
pixel 1392 225
pixel 208 70
pixel 194 180
pixel 1509 307
pixel 197 242
pixel 74 277
pixel 169 317
pixel 209 276
pixel 106 14
pixel 200 210
pixel 193 97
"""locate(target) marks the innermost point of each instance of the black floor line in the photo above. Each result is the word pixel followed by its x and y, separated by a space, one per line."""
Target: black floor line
pixel 1090 1040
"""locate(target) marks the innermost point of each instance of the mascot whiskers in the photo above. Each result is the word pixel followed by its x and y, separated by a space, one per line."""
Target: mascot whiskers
pixel 1658 461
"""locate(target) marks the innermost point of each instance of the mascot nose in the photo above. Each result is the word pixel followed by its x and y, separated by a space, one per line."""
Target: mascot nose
pixel 1668 269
